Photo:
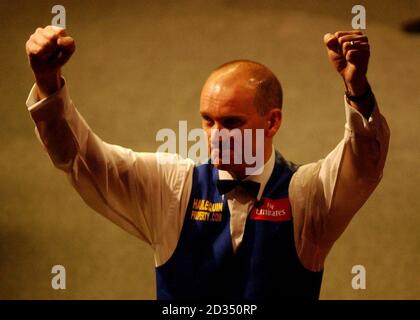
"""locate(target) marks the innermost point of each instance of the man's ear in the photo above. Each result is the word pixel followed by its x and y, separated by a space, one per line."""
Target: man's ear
pixel 273 124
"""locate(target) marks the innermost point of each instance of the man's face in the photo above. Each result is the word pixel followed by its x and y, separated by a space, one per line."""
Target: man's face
pixel 229 103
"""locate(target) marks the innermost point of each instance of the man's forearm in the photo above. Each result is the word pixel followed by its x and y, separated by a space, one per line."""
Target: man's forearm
pixel 103 174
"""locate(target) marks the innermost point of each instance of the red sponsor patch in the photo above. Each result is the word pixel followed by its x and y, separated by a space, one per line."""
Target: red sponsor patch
pixel 272 210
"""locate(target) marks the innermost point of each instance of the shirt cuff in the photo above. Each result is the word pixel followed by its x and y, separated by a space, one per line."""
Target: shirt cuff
pixel 41 109
pixel 356 123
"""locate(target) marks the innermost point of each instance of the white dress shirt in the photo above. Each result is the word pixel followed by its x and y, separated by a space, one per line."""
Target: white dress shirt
pixel 149 199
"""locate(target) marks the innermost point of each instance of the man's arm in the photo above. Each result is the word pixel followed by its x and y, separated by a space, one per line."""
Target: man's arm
pixel 132 189
pixel 325 195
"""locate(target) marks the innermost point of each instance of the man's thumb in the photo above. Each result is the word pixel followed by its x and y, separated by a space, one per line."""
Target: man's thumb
pixel 67 47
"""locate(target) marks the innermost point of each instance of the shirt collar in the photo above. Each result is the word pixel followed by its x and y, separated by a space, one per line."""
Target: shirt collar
pixel 261 178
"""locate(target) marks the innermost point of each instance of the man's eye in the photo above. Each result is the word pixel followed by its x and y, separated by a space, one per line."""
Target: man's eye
pixel 208 121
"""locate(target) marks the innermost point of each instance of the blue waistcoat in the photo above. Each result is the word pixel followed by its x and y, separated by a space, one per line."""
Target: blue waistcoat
pixel 265 266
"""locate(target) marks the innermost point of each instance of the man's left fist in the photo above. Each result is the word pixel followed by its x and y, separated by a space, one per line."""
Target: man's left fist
pixel 349 53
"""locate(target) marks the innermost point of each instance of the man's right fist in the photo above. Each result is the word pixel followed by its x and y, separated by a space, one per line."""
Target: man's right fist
pixel 48 49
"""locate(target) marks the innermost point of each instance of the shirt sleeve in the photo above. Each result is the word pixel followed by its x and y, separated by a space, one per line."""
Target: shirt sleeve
pixel 146 194
pixel 325 195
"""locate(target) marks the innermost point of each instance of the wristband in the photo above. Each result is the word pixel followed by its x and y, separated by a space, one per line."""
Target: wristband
pixel 367 94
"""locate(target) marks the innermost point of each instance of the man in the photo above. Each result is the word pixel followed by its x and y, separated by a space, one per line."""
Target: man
pixel 217 232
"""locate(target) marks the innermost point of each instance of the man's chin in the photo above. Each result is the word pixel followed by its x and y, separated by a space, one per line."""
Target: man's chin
pixel 228 167
pixel 231 166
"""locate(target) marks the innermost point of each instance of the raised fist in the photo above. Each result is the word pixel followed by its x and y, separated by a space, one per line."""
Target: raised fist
pixel 349 52
pixel 48 49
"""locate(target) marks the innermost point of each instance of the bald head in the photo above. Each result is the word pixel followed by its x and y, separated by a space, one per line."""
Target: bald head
pixel 254 76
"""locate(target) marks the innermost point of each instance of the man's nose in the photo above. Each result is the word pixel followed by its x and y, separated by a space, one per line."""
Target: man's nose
pixel 214 130
pixel 220 137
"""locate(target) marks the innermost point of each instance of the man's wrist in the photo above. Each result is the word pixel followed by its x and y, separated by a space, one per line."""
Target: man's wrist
pixel 356 87
pixel 360 98
pixel 48 84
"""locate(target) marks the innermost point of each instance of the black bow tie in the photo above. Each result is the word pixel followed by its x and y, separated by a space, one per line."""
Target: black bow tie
pixel 224 186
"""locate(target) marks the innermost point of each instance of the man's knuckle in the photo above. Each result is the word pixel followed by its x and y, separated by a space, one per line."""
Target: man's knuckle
pixel 27 45
pixel 51 35
pixel 38 30
pixel 33 50
pixel 44 43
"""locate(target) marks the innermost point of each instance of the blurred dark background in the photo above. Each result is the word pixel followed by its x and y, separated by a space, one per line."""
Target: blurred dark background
pixel 139 67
